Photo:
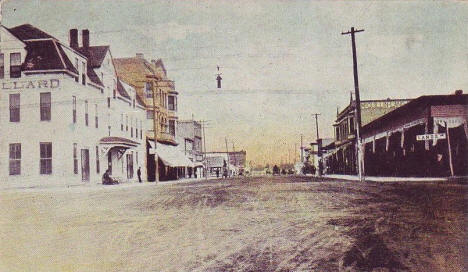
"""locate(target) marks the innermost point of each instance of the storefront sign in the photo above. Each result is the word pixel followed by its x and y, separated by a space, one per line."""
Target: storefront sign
pixel 32 84
pixel 436 136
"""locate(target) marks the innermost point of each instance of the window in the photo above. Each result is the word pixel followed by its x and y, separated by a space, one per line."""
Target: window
pixel 14 107
pixel 172 127
pixel 172 103
pixel 149 114
pixel 121 122
pixel 141 129
pixel 96 116
pixel 131 127
pixel 74 109
pixel 83 73
pixel 126 122
pixel 148 90
pixel 75 158
pixel 133 103
pixel 77 69
pixel 15 65
pixel 2 66
pixel 98 168
pixel 114 94
pixel 351 125
pixel 46 158
pixel 86 113
pixel 136 128
pixel 108 102
pixel 15 159
pixel 45 106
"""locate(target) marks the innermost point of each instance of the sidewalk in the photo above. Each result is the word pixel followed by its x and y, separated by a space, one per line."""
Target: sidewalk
pixel 387 179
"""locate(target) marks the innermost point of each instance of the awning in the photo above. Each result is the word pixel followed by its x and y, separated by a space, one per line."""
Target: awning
pixel 116 143
pixel 171 155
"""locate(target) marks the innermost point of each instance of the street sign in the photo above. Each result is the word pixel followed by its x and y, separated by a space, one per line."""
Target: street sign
pixel 426 137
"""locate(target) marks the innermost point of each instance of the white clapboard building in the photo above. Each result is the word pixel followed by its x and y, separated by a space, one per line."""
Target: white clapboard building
pixel 65 117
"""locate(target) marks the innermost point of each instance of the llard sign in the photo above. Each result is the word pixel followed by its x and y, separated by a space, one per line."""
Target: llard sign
pixel 31 84
pixel 427 137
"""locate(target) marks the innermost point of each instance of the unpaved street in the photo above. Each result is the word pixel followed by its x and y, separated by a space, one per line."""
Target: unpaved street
pixel 254 224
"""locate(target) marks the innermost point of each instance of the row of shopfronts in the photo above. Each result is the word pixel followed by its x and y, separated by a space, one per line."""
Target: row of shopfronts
pixel 71 112
pixel 423 137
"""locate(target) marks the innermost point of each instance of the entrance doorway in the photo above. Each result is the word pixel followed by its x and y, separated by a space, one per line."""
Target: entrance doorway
pixel 85 164
pixel 129 166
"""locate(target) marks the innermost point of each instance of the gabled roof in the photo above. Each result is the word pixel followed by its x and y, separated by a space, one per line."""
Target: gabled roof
pixel 121 90
pixel 46 55
pixel 93 77
pixel 133 65
pixel 95 54
pixel 29 32
pixel 140 101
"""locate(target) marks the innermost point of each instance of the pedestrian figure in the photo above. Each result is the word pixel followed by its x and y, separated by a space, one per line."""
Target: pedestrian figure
pixel 217 173
pixel 139 174
pixel 107 180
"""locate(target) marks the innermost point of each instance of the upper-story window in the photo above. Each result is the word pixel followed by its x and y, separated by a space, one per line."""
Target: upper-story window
pixel 149 114
pixel 172 103
pixel 74 109
pixel 77 68
pixel 148 90
pixel 83 73
pixel 15 65
pixel 45 101
pixel 86 113
pixel 2 66
pixel 14 107
pixel 172 127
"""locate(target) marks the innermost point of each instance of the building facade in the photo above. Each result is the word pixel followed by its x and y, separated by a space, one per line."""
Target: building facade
pixel 427 137
pixel 61 108
pixel 190 139
pixel 160 97
pixel 341 159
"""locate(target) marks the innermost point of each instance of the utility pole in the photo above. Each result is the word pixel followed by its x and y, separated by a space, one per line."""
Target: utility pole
pixel 204 151
pixel 319 145
pixel 155 130
pixel 360 156
pixel 302 149
pixel 227 153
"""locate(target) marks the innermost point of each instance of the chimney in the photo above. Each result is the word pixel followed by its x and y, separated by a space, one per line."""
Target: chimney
pixel 140 55
pixel 85 38
pixel 74 38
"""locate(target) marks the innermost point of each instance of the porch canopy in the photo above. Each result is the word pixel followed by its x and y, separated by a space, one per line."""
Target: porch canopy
pixel 171 155
pixel 119 143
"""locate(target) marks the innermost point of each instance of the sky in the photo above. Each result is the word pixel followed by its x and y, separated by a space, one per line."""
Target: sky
pixel 281 61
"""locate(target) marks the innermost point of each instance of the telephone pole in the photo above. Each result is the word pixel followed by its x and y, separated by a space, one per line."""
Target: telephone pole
pixel 319 145
pixel 155 131
pixel 302 149
pixel 360 156
pixel 227 153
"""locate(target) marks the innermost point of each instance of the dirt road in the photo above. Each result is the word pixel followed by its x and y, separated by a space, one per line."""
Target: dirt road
pixel 254 224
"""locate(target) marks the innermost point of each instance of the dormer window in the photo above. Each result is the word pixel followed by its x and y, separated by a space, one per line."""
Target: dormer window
pixel 77 69
pixel 83 73
pixel 15 65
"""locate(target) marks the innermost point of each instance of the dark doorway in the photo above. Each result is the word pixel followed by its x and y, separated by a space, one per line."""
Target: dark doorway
pixel 84 164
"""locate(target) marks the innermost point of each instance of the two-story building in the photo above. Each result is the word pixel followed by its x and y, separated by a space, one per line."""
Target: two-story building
pixel 59 107
pixel 341 159
pixel 190 139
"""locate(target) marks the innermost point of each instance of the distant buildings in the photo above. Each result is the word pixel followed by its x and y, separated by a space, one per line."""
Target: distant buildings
pixel 234 162
pixel 190 139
